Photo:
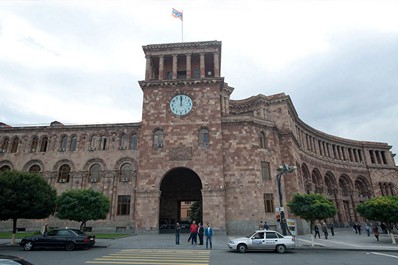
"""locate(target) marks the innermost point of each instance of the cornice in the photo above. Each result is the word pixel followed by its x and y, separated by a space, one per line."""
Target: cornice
pixel 180 82
pixel 178 45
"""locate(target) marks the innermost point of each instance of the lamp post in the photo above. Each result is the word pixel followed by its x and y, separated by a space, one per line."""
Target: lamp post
pixel 281 171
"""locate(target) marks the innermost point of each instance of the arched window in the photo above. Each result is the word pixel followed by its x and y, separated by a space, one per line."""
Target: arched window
pixel 14 146
pixel 134 142
pixel 4 146
pixel 103 143
pixel 158 138
pixel 93 143
pixel 44 144
pixel 5 168
pixel 123 142
pixel 63 173
pixel 34 169
pixel 126 172
pixel 262 142
pixel 73 144
pixel 95 173
pixel 203 137
pixel 35 143
pixel 64 143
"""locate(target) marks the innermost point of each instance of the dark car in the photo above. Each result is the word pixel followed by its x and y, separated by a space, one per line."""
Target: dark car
pixel 66 238
pixel 12 260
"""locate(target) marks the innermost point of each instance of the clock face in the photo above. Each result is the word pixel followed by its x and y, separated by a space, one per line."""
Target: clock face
pixel 181 105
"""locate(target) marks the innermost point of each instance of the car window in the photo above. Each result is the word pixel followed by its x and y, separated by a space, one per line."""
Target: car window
pixel 279 235
pixel 77 231
pixel 258 235
pixel 271 235
pixel 62 233
pixel 52 233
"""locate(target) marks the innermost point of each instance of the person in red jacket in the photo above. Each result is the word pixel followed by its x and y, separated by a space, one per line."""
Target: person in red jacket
pixel 193 229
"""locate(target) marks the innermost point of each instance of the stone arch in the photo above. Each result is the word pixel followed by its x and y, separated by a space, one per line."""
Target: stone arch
pixel 31 163
pixel 62 162
pixel 6 165
pixel 178 185
pixel 330 183
pixel 316 178
pixel 362 187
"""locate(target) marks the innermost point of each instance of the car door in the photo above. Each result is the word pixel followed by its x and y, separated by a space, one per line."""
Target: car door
pixel 257 241
pixel 60 238
pixel 271 240
pixel 47 240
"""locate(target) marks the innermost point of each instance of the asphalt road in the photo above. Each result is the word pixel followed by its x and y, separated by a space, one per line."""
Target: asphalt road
pixel 202 257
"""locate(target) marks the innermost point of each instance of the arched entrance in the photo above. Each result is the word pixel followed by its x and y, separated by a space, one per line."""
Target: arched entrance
pixel 180 188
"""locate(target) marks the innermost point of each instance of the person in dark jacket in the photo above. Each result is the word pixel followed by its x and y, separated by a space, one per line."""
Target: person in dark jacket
pixel 200 233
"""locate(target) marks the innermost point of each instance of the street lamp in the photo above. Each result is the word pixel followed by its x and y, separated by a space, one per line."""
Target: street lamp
pixel 281 171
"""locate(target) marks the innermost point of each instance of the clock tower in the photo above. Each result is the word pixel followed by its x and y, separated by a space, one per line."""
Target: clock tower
pixel 180 147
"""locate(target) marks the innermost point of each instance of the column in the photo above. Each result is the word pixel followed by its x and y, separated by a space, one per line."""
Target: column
pixel 216 64
pixel 161 67
pixel 189 68
pixel 202 65
pixel 148 70
pixel 174 67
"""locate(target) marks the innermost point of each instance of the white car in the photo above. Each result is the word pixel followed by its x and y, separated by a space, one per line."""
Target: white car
pixel 262 240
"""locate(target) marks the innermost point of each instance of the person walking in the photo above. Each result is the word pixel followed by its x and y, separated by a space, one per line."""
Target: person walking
pixel 200 233
pixel 375 231
pixel 316 229
pixel 209 235
pixel 325 230
pixel 367 228
pixel 193 229
pixel 266 226
pixel 178 228
pixel 260 225
pixel 331 227
pixel 359 227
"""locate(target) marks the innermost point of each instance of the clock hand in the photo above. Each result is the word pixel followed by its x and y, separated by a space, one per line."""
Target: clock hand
pixel 180 101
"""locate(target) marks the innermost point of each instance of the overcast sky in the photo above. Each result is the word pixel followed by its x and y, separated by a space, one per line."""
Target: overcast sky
pixel 79 62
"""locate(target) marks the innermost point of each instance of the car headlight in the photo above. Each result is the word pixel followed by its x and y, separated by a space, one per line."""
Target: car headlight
pixel 231 242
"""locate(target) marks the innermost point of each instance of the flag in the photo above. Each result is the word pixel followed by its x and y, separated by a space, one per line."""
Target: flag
pixel 176 13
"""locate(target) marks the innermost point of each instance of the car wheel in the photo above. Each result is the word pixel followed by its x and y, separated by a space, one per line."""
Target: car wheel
pixel 242 248
pixel 28 246
pixel 69 246
pixel 280 248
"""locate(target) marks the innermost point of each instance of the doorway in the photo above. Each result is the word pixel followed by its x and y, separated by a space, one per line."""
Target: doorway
pixel 180 188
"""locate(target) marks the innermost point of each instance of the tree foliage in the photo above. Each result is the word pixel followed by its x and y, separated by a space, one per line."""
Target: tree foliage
pixel 196 212
pixel 25 195
pixel 312 207
pixel 82 205
pixel 383 209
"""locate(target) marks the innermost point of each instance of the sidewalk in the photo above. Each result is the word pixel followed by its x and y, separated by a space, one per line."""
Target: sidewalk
pixel 344 239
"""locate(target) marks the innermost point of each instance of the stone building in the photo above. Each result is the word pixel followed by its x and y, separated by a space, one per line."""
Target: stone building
pixel 196 144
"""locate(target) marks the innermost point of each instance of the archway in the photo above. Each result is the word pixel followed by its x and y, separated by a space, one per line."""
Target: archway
pixel 180 186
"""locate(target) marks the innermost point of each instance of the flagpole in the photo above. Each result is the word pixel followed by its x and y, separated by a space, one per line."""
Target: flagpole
pixel 182 26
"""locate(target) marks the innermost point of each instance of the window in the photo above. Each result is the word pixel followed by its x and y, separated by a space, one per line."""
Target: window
pixel 35 143
pixel 270 235
pixel 95 173
pixel 134 142
pixel 204 137
pixel 73 144
pixel 123 141
pixel 34 169
pixel 123 204
pixel 93 143
pixel 158 138
pixel 14 146
pixel 64 143
pixel 4 146
pixel 261 137
pixel 126 172
pixel 5 168
pixel 63 174
pixel 44 144
pixel 103 143
pixel 265 170
pixel 268 202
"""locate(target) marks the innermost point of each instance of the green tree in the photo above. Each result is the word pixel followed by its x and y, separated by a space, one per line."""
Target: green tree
pixel 82 206
pixel 25 195
pixel 196 212
pixel 312 207
pixel 383 209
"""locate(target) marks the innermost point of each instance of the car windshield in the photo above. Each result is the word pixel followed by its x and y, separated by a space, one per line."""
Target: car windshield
pixel 77 231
